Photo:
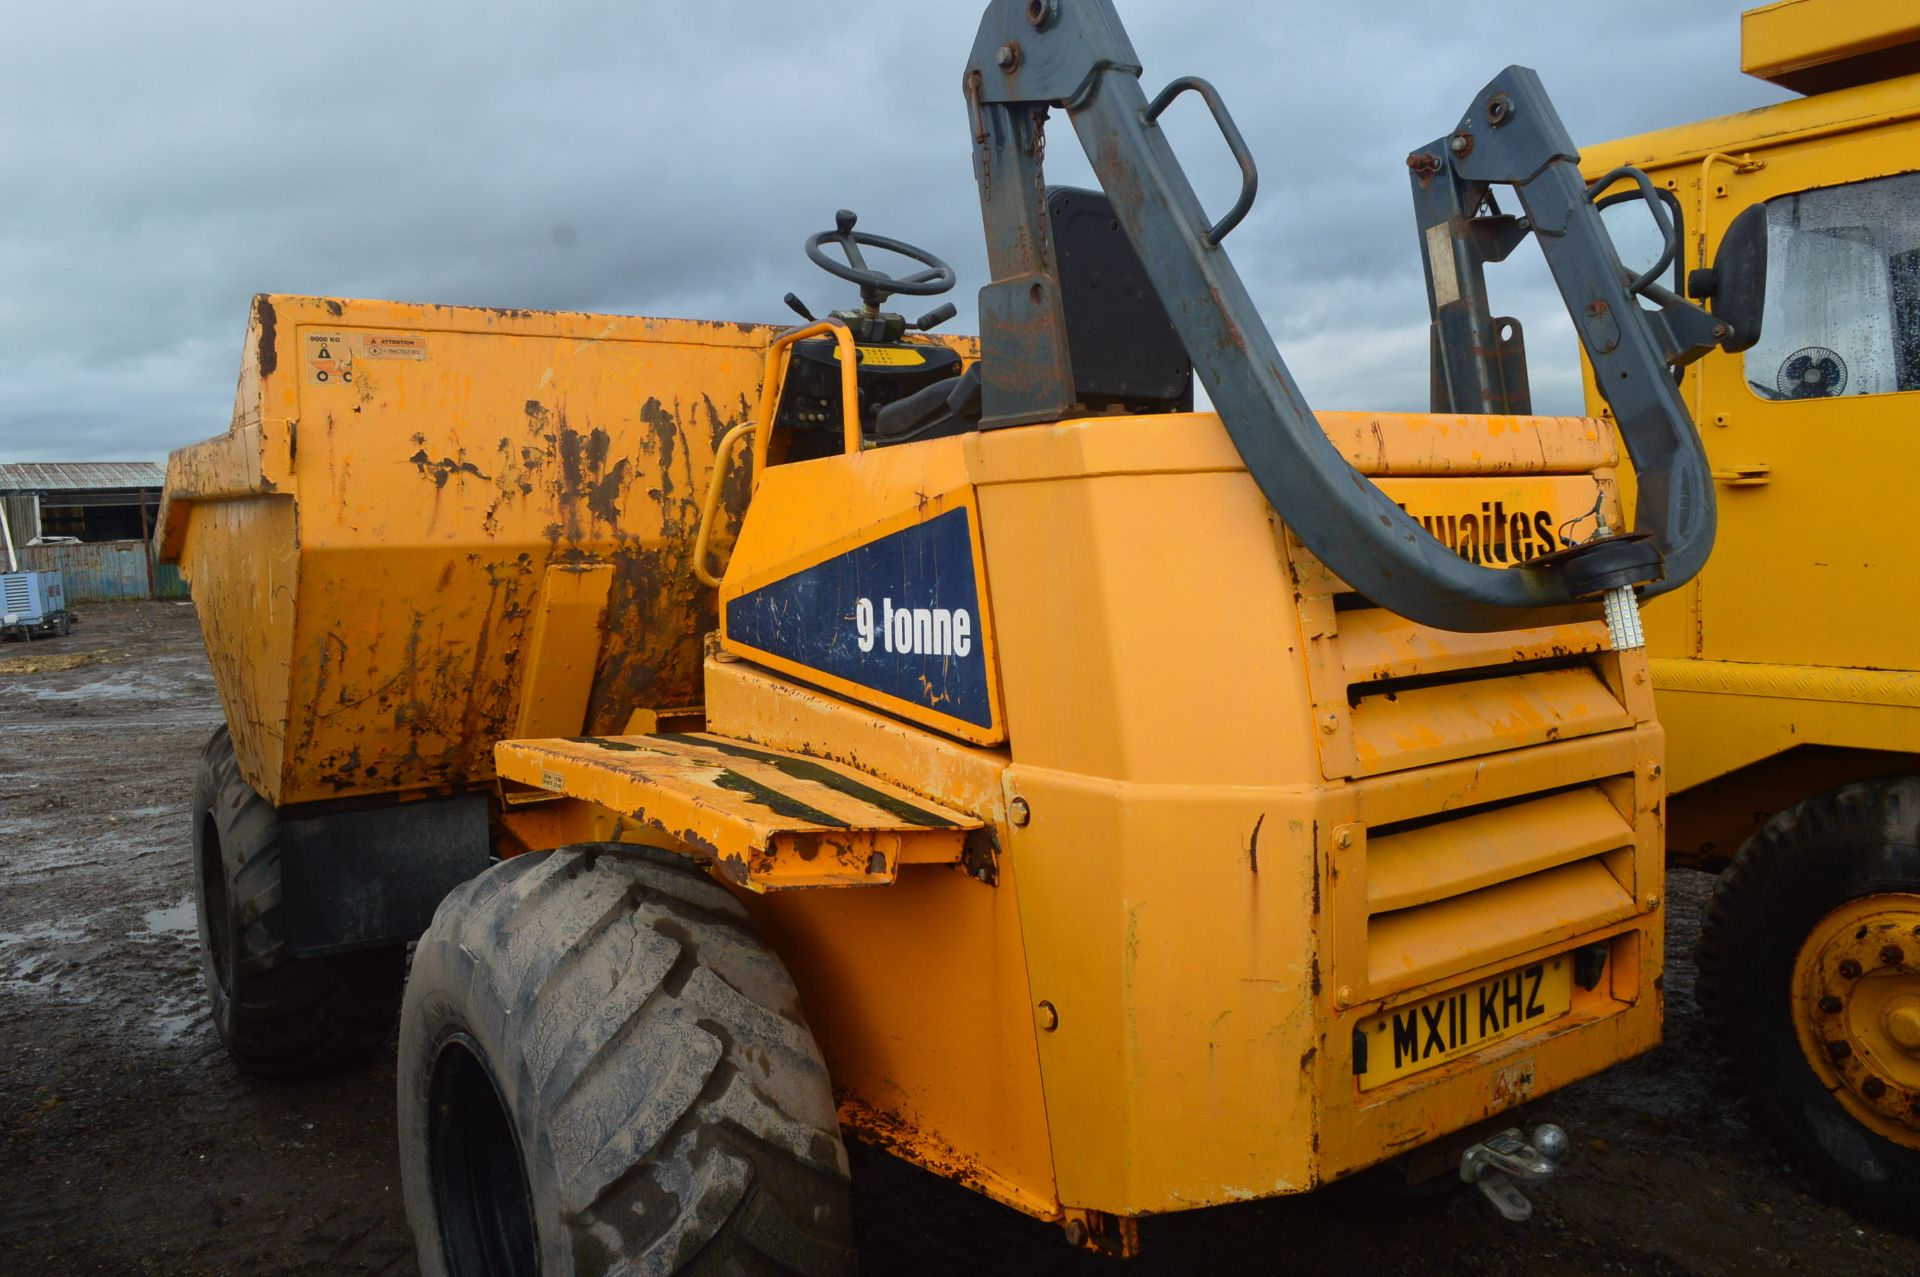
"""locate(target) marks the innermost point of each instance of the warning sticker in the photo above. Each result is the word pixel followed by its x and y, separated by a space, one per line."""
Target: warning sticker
pixel 391 346
pixel 894 356
pixel 329 356
pixel 328 359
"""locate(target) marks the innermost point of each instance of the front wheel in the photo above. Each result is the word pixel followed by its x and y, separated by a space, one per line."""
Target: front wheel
pixel 603 1069
pixel 1810 977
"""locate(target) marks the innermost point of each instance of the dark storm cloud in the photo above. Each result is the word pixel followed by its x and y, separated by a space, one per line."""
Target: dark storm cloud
pixel 160 164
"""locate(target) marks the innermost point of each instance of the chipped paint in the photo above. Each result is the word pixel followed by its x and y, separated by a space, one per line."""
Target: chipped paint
pixel 374 623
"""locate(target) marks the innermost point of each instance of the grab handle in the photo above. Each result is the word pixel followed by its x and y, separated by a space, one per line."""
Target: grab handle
pixel 1242 154
pixel 722 457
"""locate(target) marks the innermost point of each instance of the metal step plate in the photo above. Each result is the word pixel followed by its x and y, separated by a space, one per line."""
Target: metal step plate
pixel 768 820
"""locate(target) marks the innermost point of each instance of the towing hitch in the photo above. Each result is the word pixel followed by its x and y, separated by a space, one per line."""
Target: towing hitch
pixel 1495 1163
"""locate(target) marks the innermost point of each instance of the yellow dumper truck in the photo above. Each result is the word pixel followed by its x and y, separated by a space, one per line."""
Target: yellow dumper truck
pixel 962 744
pixel 1786 674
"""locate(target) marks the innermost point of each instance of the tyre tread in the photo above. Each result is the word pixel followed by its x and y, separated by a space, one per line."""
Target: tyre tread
pixel 1749 939
pixel 654 1057
pixel 284 1016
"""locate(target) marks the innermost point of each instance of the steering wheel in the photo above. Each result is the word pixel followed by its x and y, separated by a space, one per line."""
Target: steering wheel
pixel 874 286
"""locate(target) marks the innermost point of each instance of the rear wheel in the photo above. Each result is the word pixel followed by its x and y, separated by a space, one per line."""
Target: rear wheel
pixel 1810 977
pixel 279 1015
pixel 602 1069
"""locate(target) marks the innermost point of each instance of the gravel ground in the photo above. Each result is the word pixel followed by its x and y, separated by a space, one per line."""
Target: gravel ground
pixel 128 1145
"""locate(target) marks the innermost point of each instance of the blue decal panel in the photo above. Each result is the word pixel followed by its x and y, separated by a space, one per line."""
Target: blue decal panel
pixel 900 615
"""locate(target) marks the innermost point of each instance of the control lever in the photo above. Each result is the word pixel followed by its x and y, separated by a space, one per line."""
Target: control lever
pixel 1497 1161
pixel 934 318
pixel 799 308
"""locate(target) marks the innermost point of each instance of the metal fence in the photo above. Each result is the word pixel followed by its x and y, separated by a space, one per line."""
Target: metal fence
pixel 106 570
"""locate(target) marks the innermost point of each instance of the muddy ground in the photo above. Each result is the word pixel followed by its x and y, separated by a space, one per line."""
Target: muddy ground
pixel 128 1145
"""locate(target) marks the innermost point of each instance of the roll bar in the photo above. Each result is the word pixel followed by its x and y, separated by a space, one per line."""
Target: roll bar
pixel 1032 56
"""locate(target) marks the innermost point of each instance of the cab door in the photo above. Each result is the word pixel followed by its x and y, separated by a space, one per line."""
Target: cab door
pixel 1814 432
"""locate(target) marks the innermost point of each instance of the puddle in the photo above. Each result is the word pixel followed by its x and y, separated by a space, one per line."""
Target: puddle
pixel 29 963
pixel 176 1019
pixel 65 931
pixel 121 687
pixel 175 920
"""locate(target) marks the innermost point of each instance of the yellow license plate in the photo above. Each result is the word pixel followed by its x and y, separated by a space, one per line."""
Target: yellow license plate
pixel 1450 1025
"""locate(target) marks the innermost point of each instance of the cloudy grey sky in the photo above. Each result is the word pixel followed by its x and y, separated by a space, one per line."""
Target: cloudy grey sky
pixel 159 164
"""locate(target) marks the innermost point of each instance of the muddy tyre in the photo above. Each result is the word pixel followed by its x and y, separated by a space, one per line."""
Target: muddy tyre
pixel 1780 983
pixel 603 1069
pixel 279 1015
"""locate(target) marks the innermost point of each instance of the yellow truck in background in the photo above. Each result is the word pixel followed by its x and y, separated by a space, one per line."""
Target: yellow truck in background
pixel 1788 672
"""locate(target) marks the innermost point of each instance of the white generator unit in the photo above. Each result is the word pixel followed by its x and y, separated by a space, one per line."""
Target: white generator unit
pixel 30 602
pixel 33 603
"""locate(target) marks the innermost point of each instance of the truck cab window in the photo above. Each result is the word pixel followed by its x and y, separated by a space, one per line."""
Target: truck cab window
pixel 1843 292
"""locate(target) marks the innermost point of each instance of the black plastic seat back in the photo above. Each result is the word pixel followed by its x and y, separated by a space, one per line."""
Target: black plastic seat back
pixel 1123 346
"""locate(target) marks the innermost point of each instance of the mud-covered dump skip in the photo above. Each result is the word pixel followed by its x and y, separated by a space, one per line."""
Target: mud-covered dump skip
pixel 129 1145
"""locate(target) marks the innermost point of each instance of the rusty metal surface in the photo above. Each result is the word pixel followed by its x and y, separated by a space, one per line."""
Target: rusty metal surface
pixel 372 541
pixel 767 819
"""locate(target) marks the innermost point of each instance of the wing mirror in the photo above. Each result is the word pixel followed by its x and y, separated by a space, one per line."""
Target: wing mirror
pixel 1735 286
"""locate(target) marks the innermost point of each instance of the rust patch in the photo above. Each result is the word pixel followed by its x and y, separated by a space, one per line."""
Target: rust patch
pixel 1424 165
pixel 444 468
pixel 264 353
pixel 666 432
pixel 905 1141
pixel 603 495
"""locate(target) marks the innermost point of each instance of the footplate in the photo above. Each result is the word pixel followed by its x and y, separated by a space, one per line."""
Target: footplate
pixel 767 819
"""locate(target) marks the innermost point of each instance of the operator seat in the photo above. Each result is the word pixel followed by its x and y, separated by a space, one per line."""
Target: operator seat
pixel 1126 355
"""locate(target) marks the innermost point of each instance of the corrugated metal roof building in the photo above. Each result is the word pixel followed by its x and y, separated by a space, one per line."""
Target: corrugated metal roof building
pixel 72 476
pixel 91 500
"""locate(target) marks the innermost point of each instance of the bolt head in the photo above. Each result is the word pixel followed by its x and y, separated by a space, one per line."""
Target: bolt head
pixel 1849 969
pixel 1076 1233
pixel 1837 1051
pixel 1873 1088
pixel 1653 902
pixel 1007 56
pixel 1830 1005
pixel 1019 813
pixel 1048 1016
pixel 1892 955
pixel 1343 839
pixel 1457 144
pixel 1330 723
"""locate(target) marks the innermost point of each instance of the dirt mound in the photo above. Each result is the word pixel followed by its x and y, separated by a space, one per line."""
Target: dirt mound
pixel 52 662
